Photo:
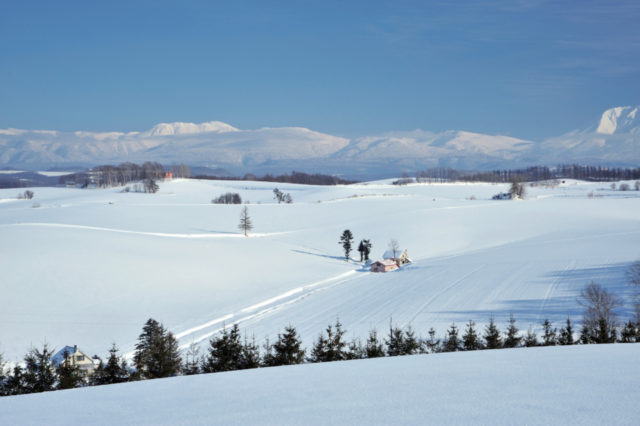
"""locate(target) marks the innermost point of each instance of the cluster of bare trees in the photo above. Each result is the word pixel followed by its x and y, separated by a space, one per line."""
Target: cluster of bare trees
pixel 125 173
pixel 294 177
pixel 281 197
pixel 531 174
pixel 228 198
pixel 26 195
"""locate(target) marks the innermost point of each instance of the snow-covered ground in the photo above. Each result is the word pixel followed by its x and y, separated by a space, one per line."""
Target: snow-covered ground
pixel 89 267
pixel 581 385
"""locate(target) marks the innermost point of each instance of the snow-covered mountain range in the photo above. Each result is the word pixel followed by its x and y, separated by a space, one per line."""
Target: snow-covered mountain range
pixel 614 141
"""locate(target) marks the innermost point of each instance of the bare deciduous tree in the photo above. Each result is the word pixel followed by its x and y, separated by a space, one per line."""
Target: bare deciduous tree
pixel 245 221
pixel 394 247
pixel 517 189
pixel 599 316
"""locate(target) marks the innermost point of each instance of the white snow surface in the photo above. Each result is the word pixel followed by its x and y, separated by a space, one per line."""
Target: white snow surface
pixel 89 267
pixel 577 385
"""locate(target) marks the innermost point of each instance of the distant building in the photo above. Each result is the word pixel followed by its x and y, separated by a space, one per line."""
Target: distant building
pixel 400 257
pixel 384 265
pixel 75 357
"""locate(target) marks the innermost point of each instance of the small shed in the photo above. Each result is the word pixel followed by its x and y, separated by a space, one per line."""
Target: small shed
pixel 384 265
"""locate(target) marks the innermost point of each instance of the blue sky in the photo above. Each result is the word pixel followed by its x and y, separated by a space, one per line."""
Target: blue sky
pixel 529 69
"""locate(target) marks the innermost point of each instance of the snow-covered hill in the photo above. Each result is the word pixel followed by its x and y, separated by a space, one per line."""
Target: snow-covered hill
pixel 89 267
pixel 615 140
pixel 595 384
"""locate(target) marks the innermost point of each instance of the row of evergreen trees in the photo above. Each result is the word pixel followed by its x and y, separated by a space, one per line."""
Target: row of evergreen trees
pixel 157 353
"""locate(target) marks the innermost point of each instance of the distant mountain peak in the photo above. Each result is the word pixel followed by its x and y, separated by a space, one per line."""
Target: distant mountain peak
pixel 617 119
pixel 180 128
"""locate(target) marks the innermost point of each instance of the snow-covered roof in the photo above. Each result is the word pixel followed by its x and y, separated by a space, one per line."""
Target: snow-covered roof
pixel 389 254
pixel 58 358
pixel 386 262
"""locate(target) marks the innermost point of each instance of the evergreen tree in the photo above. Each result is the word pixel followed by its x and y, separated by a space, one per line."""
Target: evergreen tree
pixel 115 370
pixel 39 375
pixel 367 249
pixel 492 335
pixel 225 351
pixel 629 333
pixel 452 342
pixel 374 348
pixel 566 334
pixel 549 336
pixel 606 331
pixel 432 344
pixel 69 376
pixel 395 341
pixel 364 248
pixel 585 335
pixel 512 340
pixel 246 224
pixel 250 354
pixel 530 339
pixel 288 348
pixel 346 239
pixel 3 378
pixel 15 383
pixel 470 339
pixel 355 350
pixel 268 358
pixel 330 348
pixel 157 354
pixel 411 342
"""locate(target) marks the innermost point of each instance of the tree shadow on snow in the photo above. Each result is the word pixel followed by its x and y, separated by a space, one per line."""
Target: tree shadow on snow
pixel 563 300
pixel 318 254
pixel 210 231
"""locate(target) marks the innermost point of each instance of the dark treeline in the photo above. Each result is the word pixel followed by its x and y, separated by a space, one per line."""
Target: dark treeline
pixel 157 354
pixel 294 177
pixel 529 174
pixel 123 174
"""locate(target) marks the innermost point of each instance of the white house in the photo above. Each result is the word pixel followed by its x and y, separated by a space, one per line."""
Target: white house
pixel 399 256
pixel 75 357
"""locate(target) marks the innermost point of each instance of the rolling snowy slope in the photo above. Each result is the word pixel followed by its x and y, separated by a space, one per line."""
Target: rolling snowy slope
pixel 582 385
pixel 89 267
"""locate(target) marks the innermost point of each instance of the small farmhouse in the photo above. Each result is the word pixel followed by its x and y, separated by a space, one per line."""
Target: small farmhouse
pixel 400 257
pixel 384 265
pixel 75 357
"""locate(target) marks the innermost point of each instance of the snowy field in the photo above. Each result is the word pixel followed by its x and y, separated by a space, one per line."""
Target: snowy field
pixel 89 267
pixel 569 385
